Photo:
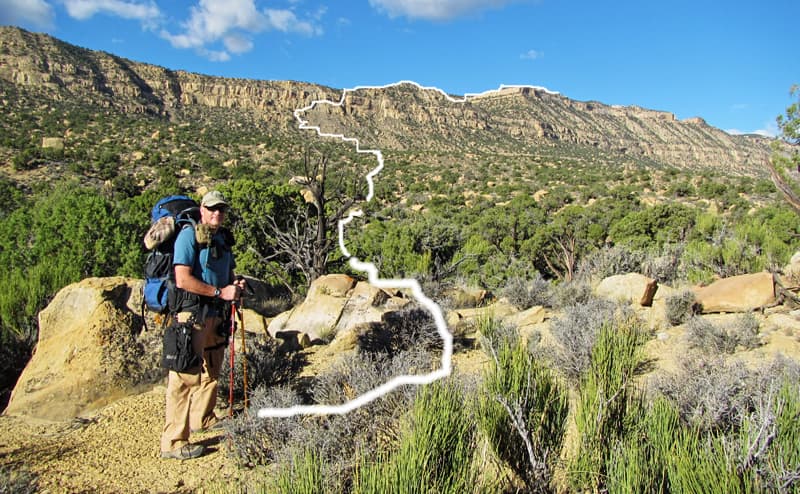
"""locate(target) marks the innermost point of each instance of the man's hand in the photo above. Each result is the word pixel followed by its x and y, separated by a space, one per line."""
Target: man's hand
pixel 230 292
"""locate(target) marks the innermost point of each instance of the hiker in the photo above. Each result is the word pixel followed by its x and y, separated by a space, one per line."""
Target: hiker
pixel 204 265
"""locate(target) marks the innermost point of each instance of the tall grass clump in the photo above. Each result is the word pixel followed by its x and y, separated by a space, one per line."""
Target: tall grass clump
pixel 640 459
pixel 608 405
pixel 434 454
pixel 522 410
pixel 756 453
pixel 304 475
pixel 759 454
pixel 739 427
pixel 702 462
pixel 782 460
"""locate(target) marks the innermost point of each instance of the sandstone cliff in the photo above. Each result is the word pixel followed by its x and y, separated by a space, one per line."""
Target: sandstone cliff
pixel 513 121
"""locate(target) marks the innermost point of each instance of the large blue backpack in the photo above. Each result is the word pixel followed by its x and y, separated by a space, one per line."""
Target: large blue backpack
pixel 169 215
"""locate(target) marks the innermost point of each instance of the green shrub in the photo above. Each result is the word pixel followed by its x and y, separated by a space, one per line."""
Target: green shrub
pixel 608 404
pixel 434 454
pixel 522 410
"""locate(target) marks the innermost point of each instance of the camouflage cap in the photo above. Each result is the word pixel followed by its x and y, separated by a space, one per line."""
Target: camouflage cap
pixel 213 198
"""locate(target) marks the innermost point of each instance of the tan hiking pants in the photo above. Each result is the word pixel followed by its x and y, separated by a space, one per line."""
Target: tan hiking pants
pixel 192 395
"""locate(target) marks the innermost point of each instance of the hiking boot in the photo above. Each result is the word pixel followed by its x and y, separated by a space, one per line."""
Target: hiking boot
pixel 185 452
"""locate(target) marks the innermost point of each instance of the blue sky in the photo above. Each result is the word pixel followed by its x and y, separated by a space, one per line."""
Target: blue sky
pixel 732 63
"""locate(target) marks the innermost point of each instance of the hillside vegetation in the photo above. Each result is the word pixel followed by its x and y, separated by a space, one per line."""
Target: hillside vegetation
pixel 527 194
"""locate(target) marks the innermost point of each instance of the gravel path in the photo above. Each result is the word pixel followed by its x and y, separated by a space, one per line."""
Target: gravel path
pixel 114 451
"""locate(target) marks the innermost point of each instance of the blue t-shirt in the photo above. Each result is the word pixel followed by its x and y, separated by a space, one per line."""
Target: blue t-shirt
pixel 215 261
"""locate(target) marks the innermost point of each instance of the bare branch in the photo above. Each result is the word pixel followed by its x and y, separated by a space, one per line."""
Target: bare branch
pixel 783 187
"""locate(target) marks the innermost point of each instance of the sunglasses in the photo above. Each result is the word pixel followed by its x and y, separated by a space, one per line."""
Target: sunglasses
pixel 217 208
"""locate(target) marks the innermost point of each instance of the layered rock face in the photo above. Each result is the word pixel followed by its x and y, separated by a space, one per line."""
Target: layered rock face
pixel 38 60
pixel 405 117
pixel 527 120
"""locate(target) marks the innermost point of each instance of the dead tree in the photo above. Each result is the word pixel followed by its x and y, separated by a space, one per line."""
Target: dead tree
pixel 310 238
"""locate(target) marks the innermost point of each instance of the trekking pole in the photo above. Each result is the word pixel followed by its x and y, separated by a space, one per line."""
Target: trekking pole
pixel 232 351
pixel 244 352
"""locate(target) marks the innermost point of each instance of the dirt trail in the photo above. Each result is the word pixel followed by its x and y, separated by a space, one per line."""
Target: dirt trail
pixel 114 451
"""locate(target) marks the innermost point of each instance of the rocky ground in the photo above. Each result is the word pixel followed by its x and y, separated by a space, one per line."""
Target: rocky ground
pixel 116 450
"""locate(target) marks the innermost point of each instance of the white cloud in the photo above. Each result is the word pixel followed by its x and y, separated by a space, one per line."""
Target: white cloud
pixel 214 55
pixel 286 21
pixel 237 43
pixel 435 9
pixel 532 55
pixel 84 9
pixel 36 12
pixel 228 21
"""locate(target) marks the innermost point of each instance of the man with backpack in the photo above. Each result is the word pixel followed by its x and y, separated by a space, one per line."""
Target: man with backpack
pixel 206 286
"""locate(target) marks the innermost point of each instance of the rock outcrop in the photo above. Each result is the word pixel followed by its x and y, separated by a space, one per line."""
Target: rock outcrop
pixel 737 293
pixel 91 351
pixel 402 118
pixel 336 308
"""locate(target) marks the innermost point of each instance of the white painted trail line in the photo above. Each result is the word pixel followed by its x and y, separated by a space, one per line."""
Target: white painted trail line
pixel 372 272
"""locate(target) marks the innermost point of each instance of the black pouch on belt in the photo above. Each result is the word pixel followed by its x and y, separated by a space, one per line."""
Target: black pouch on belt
pixel 179 355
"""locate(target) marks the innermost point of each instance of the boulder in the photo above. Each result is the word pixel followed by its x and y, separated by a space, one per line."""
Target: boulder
pixel 254 322
pixel 632 287
pixel 464 320
pixel 91 351
pixel 737 293
pixel 529 317
pixel 335 306
pixel 791 272
pixel 468 298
